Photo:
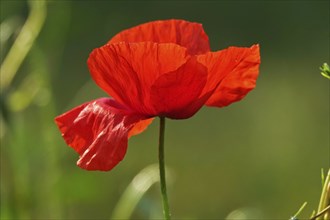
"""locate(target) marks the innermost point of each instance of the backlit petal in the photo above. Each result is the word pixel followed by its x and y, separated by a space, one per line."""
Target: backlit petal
pixel 176 94
pixel 126 71
pixel 233 72
pixel 140 127
pixel 187 34
pixel 98 132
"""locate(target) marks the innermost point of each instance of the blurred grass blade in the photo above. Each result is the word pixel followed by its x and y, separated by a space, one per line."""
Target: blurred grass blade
pixel 7 29
pixel 134 192
pixel 245 213
pixel 299 211
pixel 322 177
pixel 322 215
pixel 313 214
pixel 23 42
pixel 325 198
pixel 24 95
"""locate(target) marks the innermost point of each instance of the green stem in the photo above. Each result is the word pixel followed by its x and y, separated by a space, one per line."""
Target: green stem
pixel 325 196
pixel 299 211
pixel 321 213
pixel 166 209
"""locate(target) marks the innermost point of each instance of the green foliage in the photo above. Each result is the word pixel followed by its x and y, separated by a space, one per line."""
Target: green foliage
pixel 325 70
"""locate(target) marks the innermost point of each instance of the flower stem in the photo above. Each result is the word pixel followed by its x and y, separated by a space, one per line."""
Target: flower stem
pixel 166 209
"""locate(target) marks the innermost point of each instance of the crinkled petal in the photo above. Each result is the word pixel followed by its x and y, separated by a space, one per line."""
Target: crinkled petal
pixel 233 72
pixel 126 71
pixel 98 132
pixel 176 94
pixel 186 34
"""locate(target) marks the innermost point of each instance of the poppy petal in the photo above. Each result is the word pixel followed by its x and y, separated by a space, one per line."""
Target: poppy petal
pixel 140 127
pixel 186 34
pixel 233 72
pixel 98 132
pixel 176 94
pixel 126 71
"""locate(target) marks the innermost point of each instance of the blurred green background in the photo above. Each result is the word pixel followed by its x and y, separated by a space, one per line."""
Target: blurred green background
pixel 259 158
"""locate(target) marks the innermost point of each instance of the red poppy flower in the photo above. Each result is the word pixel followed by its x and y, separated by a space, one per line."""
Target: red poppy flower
pixel 160 68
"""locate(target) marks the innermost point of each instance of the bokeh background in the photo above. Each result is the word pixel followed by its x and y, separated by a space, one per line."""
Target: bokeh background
pixel 260 158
